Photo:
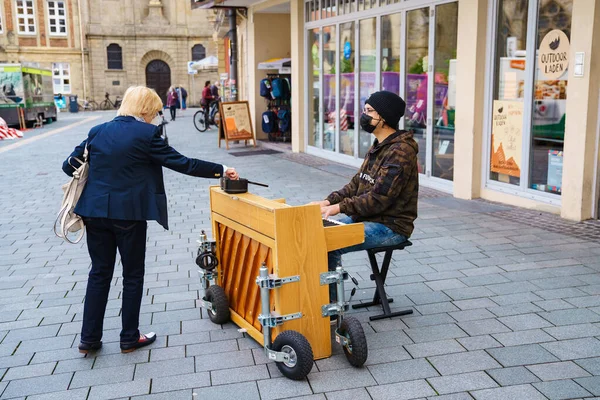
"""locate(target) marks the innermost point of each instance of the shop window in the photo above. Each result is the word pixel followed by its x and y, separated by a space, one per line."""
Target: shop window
pixel 416 64
pixel 391 31
pixel 57 18
pixel 550 95
pixel 114 55
pixel 329 86
pixel 25 17
pixel 198 52
pixel 61 78
pixel 537 94
pixel 368 68
pixel 314 87
pixel 346 112
pixel 444 92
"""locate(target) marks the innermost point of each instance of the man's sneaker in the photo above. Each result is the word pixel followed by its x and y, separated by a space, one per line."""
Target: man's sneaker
pixel 144 340
pixel 85 348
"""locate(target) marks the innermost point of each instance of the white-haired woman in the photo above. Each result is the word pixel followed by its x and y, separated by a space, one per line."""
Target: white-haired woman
pixel 125 189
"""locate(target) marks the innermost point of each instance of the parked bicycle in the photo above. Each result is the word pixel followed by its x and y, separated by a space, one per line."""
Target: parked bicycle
pixel 107 104
pixel 87 105
pixel 214 117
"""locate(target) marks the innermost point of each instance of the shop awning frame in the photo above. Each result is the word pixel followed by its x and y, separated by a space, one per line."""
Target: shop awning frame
pixel 283 65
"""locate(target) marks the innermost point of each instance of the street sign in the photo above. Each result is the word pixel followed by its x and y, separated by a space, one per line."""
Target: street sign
pixel 191 69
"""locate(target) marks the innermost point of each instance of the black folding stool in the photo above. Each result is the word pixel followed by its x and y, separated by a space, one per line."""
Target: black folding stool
pixel 379 277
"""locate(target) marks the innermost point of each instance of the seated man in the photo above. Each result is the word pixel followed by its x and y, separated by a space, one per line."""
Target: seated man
pixel 383 194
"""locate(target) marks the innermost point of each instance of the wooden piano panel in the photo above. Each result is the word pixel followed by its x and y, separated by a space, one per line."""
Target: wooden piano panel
pixel 240 260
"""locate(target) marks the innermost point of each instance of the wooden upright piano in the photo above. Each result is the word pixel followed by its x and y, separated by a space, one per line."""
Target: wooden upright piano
pixel 291 240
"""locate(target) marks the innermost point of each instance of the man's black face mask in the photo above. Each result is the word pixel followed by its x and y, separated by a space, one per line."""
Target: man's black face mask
pixel 365 123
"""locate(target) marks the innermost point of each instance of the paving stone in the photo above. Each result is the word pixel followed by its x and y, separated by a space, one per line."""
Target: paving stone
pixel 211 348
pixel 556 371
pixel 433 333
pixel 174 395
pixel 483 327
pixel 76 364
pixel 462 382
pixel 512 376
pixel 340 380
pixel 559 390
pixel 113 360
pixel 521 392
pixel 227 360
pixel 401 391
pixel 159 369
pixel 102 375
pixel 167 353
pixel 524 321
pixel 228 392
pixel 235 375
pixel 428 320
pixel 436 308
pixel 591 365
pixel 591 384
pixel 119 390
pixel 523 337
pixel 29 371
pixel 469 293
pixel 552 305
pixel 516 298
pixel 521 355
pixel 75 394
pixel 463 362
pixel 479 342
pixel 37 385
pixel 433 348
pixel 570 317
pixel 282 388
pixel 573 331
pixel 381 340
pixel 178 382
pixel 454 396
pixel 15 361
pixel 402 371
pixel 514 309
pixel 574 348
pixel 354 394
pixel 189 338
pixel 225 334
pixel 53 343
pixel 471 315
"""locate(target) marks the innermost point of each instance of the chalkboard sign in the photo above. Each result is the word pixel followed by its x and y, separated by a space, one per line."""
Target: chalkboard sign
pixel 236 123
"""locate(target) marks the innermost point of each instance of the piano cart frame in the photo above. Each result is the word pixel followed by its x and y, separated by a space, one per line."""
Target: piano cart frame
pixel 268 265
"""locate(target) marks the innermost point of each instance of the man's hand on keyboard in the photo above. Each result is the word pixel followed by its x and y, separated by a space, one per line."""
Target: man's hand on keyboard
pixel 328 211
pixel 323 203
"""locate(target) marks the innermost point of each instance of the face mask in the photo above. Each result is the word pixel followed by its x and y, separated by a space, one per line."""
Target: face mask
pixel 365 123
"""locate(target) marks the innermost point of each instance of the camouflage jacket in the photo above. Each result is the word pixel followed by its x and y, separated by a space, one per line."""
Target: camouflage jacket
pixel 386 187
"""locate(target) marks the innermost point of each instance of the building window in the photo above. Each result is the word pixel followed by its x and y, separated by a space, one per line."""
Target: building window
pixel 528 110
pixel 26 17
pixel 115 56
pixel 198 52
pixel 57 18
pixel 61 78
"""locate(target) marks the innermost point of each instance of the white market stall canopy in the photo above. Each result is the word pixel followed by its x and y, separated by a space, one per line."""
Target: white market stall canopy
pixel 284 65
pixel 210 62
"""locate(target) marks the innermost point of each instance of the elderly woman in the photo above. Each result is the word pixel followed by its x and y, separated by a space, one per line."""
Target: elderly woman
pixel 125 188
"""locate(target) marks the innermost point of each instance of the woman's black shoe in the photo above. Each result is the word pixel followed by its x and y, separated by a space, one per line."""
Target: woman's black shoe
pixel 85 348
pixel 144 340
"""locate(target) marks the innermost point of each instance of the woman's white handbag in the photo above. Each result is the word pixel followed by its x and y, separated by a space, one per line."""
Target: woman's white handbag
pixel 67 221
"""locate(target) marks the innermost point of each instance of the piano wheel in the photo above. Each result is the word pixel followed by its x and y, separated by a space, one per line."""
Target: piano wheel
pixel 356 352
pixel 301 354
pixel 220 305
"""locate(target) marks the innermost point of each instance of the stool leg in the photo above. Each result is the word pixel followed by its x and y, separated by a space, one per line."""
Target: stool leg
pixel 387 313
pixel 376 297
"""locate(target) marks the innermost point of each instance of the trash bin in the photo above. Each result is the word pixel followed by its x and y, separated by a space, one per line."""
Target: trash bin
pixel 73 106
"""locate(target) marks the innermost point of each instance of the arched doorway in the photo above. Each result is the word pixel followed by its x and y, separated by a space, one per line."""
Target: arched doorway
pixel 158 77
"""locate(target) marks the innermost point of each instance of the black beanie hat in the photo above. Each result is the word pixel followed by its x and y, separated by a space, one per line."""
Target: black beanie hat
pixel 388 105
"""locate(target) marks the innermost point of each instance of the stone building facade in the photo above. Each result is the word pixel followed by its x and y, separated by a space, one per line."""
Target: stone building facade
pixel 104 46
pixel 155 38
pixel 46 33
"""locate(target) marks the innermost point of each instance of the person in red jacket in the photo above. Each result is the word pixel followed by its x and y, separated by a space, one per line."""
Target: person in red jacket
pixel 207 97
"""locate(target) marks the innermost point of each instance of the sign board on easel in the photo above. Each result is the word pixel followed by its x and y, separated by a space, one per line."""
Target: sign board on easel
pixel 236 123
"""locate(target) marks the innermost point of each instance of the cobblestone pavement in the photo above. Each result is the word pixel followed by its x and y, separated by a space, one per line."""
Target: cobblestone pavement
pixel 503 309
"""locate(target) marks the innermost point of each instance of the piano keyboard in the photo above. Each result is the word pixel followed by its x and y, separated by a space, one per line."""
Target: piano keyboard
pixel 331 222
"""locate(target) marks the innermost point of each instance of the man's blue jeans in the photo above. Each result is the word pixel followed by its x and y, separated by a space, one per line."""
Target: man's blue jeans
pixel 376 235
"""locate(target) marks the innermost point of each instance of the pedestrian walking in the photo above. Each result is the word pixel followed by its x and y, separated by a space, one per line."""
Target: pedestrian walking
pixel 182 95
pixel 172 102
pixel 124 190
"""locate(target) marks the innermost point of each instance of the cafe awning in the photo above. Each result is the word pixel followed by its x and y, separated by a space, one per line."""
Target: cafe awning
pixel 283 65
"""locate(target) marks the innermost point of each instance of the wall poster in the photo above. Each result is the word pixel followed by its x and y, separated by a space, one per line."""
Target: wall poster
pixel 507 127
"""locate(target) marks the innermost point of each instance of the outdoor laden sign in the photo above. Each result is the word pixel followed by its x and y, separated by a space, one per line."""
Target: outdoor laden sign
pixel 507 126
pixel 236 123
pixel 553 54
